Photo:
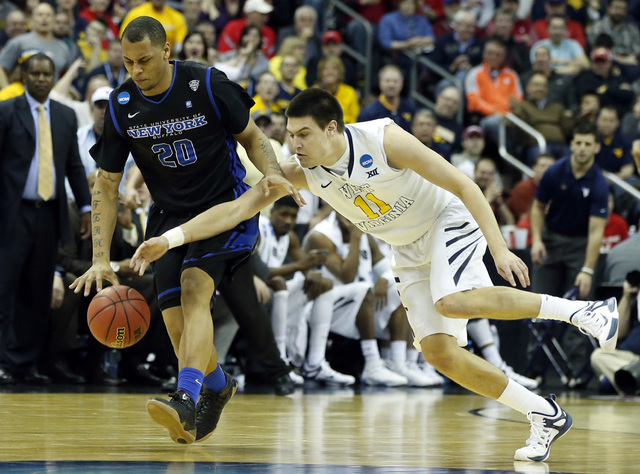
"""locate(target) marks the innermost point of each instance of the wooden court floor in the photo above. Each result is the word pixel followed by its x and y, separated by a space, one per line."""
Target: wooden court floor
pixel 340 431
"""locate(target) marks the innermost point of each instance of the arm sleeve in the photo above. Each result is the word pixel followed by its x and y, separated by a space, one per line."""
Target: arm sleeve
pixel 231 100
pixel 112 150
pixel 600 201
pixel 544 190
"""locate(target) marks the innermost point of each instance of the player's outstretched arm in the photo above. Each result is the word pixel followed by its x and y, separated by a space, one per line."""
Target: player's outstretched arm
pixel 207 224
pixel 104 214
pixel 261 154
pixel 405 151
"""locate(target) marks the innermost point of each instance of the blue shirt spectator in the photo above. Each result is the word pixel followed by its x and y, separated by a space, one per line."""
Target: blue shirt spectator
pixel 572 201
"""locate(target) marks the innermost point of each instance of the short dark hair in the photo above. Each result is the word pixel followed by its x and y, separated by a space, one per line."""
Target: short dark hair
pixel 585 128
pixel 286 201
pixel 24 66
pixel 319 105
pixel 145 27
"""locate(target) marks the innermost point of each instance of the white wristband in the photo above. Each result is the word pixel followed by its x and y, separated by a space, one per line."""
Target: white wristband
pixel 587 270
pixel 175 237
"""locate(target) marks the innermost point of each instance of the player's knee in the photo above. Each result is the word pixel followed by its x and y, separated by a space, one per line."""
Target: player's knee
pixel 196 287
pixel 277 283
pixel 454 306
pixel 439 350
pixel 326 285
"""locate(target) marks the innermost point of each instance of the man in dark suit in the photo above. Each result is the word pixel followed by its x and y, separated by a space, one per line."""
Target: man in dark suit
pixel 38 149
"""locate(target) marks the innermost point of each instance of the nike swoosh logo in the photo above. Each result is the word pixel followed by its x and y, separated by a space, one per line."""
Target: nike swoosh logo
pixel 198 382
pixel 133 115
pixel 325 185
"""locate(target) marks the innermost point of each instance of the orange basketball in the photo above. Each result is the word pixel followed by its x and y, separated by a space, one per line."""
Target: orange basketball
pixel 118 316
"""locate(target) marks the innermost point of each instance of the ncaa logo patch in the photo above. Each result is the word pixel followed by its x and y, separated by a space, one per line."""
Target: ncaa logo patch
pixel 123 98
pixel 194 85
pixel 366 161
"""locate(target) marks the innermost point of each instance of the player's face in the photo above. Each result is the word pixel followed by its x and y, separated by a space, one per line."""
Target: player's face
pixel 310 143
pixel 283 218
pixel 148 65
pixel 584 149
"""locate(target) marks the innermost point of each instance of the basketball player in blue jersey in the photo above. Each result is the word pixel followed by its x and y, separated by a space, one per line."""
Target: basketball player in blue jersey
pixel 180 121
pixel 439 224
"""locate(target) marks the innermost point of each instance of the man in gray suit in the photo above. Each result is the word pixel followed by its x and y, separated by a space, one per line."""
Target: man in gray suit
pixel 38 149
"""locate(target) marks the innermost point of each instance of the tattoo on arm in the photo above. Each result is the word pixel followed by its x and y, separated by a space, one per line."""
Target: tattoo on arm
pixel 106 175
pixel 96 217
pixel 269 154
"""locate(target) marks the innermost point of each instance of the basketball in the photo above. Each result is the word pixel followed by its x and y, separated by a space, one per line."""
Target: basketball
pixel 118 316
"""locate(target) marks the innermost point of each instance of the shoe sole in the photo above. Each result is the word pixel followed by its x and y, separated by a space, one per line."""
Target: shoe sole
pixel 609 345
pixel 565 430
pixel 382 384
pixel 235 387
pixel 169 418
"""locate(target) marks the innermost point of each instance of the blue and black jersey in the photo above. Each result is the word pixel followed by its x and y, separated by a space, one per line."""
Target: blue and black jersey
pixel 182 140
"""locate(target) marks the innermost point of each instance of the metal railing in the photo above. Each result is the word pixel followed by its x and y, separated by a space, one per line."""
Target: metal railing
pixel 365 59
pixel 416 60
pixel 542 144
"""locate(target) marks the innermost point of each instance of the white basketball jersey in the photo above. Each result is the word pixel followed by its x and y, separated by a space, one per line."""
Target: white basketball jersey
pixel 398 206
pixel 272 251
pixel 330 228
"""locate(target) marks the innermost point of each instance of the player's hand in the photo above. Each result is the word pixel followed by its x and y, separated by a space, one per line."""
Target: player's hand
pixel 380 294
pixel 85 226
pixel 538 252
pixel 312 259
pixel 508 264
pixel 98 272
pixel 262 290
pixel 279 181
pixel 148 251
pixel 57 293
pixel 583 281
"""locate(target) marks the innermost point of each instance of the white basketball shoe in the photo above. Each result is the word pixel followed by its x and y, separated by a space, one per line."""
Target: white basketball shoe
pixel 599 319
pixel 545 429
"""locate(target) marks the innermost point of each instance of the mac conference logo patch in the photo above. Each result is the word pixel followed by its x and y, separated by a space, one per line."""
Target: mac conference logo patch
pixel 123 98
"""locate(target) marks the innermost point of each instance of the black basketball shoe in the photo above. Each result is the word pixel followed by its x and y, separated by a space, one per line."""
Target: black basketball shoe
pixel 210 407
pixel 178 415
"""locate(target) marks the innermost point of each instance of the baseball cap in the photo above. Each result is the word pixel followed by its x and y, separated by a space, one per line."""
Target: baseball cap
pixel 473 131
pixel 601 53
pixel 260 115
pixel 102 93
pixel 260 6
pixel 331 35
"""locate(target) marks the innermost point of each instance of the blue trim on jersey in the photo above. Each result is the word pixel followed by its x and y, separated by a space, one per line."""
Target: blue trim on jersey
pixel 173 80
pixel 170 290
pixel 113 118
pixel 351 155
pixel 210 92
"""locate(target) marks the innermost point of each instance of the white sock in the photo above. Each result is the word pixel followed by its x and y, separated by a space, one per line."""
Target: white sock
pixel 524 400
pixel 412 355
pixel 279 321
pixel 490 354
pixel 479 331
pixel 370 350
pixel 399 351
pixel 552 307
pixel 319 325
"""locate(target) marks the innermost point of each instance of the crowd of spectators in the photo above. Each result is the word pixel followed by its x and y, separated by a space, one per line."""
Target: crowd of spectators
pixel 555 65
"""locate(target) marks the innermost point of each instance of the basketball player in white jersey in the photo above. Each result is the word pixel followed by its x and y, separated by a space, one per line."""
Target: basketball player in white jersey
pixel 367 305
pixel 302 306
pixel 438 222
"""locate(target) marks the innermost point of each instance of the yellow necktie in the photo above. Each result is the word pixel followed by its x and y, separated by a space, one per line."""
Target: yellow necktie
pixel 45 157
